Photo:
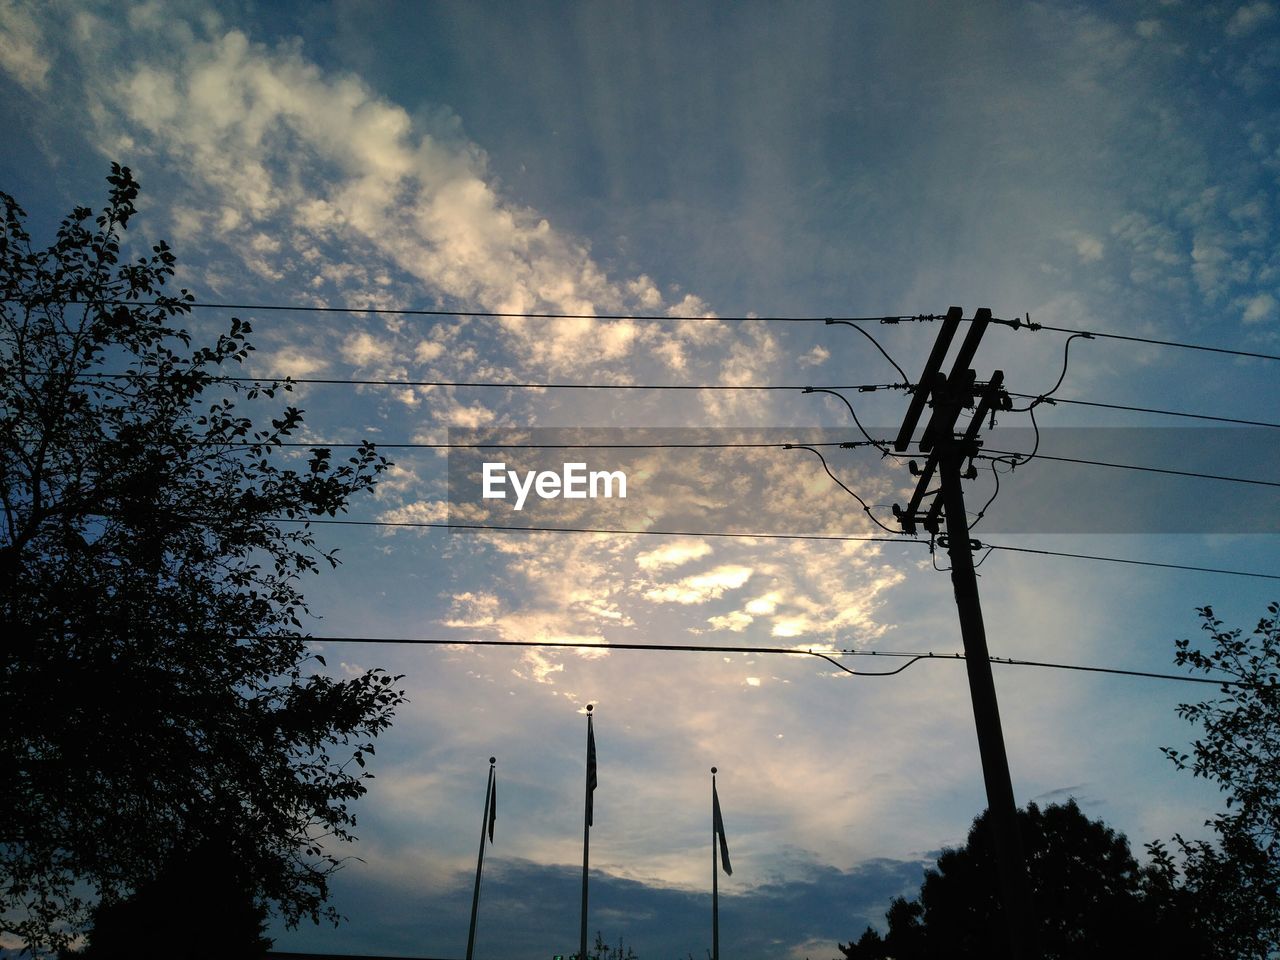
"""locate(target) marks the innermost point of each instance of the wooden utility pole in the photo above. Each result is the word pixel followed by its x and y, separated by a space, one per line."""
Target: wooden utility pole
pixel 947 453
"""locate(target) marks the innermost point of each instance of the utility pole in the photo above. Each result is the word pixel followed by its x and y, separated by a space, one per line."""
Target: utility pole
pixel 947 453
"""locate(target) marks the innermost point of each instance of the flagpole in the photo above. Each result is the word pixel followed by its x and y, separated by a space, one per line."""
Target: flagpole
pixel 586 838
pixel 484 825
pixel 715 877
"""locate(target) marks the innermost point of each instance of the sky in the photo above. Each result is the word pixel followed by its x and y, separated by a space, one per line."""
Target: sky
pixel 1107 167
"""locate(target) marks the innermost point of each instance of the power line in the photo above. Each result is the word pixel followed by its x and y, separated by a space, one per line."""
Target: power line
pixel 1165 413
pixel 485 314
pixel 649 318
pixel 656 533
pixel 860 387
pixel 700 445
pixel 763 536
pixel 1140 563
pixel 1132 466
pixel 746 445
pixel 828 656
pixel 875 343
pixel 1028 324
pixel 866 509
pixel 500 384
pixel 514 315
pixel 1159 343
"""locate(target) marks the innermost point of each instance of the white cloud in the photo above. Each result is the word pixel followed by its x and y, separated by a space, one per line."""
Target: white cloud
pixel 1247 18
pixel 701 587
pixel 764 605
pixel 1259 308
pixel 274 147
pixel 672 554
pixel 469 418
pixel 474 609
pixel 21 42
pixel 422 511
pixel 293 361
pixel 1088 248
pixel 428 350
pixel 363 350
pixel 736 621
pixel 815 357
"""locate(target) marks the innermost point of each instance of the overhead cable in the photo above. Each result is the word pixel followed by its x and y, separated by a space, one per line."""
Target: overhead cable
pixel 837 538
pixel 828 655
pixel 1019 324
pixel 481 314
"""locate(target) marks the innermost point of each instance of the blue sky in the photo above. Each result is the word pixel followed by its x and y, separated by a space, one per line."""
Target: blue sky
pixel 1111 167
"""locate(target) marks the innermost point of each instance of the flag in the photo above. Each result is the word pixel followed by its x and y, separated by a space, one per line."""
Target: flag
pixel 493 805
pixel 718 826
pixel 591 772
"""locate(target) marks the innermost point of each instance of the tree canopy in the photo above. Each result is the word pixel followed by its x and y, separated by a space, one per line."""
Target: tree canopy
pixel 1090 898
pixel 156 690
pixel 202 905
pixel 1234 884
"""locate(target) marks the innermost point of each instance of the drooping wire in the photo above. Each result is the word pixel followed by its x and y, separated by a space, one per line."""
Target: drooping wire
pixel 1010 459
pixel 990 500
pixel 866 509
pixel 933 556
pixel 878 444
pixel 1066 360
pixel 875 343
pixel 911 658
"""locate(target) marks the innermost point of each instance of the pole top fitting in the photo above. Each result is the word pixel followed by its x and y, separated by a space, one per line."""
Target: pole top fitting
pixel 493 760
pixel 713 771
pixel 590 708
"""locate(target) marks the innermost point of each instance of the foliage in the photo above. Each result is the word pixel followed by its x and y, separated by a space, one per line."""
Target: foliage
pixel 1090 898
pixel 602 951
pixel 1234 885
pixel 155 689
pixel 201 906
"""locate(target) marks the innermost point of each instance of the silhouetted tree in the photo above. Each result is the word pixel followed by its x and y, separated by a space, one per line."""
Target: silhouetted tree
pixel 602 951
pixel 155 689
pixel 1090 898
pixel 1233 886
pixel 201 906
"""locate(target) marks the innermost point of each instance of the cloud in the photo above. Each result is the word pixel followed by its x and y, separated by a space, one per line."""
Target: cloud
pixel 672 554
pixel 422 511
pixel 736 621
pixel 1248 18
pixel 469 417
pixel 1259 308
pixel 21 47
pixel 293 361
pixel 1088 248
pixel 314 180
pixel 803 916
pixel 815 357
pixel 701 587
pixel 363 350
